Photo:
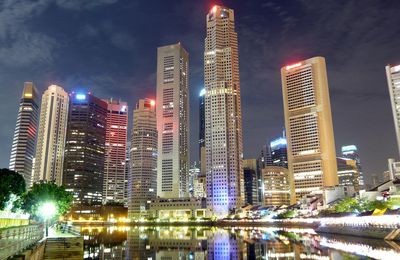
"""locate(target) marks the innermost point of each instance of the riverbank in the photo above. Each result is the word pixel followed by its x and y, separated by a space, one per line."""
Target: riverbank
pixel 379 227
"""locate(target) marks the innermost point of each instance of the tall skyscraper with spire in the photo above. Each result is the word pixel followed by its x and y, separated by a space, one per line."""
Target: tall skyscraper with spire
pixel 223 116
pixel 23 146
pixel 172 121
pixel 309 129
pixel 142 181
pixel 85 148
pixel 115 180
pixel 49 158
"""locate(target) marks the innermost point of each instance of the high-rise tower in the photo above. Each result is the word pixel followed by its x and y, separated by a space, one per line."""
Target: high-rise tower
pixel 393 79
pixel 351 152
pixel 115 180
pixel 309 129
pixel 172 121
pixel 23 146
pixel 142 186
pixel 223 117
pixel 85 148
pixel 50 146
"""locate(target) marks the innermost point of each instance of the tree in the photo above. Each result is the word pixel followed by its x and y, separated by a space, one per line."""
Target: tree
pixel 46 192
pixel 349 205
pixel 11 184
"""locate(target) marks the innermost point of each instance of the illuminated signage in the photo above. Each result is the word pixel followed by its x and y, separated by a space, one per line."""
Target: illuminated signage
pixel 289 67
pixel 80 96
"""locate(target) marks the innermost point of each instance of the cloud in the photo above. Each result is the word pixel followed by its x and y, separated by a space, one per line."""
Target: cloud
pixel 122 40
pixel 28 48
pixel 83 4
pixel 20 43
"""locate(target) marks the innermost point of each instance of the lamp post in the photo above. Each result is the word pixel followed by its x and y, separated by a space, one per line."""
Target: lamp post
pixel 47 210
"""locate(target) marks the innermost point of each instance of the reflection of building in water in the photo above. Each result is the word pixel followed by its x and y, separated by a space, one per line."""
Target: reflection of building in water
pixel 178 243
pixel 138 245
pixel 104 244
pixel 224 245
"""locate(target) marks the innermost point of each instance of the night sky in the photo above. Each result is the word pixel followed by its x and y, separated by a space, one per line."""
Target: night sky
pixel 109 47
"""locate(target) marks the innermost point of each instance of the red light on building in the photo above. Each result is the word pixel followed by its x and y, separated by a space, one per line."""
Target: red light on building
pixel 214 9
pixel 152 103
pixel 292 66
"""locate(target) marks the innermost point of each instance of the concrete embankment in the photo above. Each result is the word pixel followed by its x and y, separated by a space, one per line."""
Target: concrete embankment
pixel 369 232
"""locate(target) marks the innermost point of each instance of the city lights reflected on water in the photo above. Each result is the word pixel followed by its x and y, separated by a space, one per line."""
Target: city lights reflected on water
pixel 139 242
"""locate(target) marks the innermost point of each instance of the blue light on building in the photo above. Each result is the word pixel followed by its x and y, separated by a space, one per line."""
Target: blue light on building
pixel 80 96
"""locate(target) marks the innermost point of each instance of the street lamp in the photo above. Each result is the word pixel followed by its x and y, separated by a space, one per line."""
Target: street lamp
pixel 47 211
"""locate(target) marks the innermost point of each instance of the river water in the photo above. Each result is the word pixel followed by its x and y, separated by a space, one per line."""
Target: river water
pixel 170 243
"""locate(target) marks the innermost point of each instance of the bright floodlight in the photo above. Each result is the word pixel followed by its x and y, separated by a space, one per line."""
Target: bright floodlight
pixel 47 210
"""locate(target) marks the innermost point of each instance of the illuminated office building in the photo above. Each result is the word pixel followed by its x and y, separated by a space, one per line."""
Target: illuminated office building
pixel 351 152
pixel 23 146
pixel 278 148
pixel 223 116
pixel 308 123
pixel 278 187
pixel 393 79
pixel 115 180
pixel 173 121
pixel 348 173
pixel 49 156
pixel 142 186
pixel 85 148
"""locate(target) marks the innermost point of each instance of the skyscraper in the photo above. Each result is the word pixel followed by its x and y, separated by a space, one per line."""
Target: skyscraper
pixel 223 116
pixel 278 148
pixel 142 186
pixel 202 132
pixel 308 121
pixel 393 79
pixel 348 173
pixel 173 121
pixel 50 145
pixel 85 148
pixel 23 146
pixel 115 180
pixel 351 152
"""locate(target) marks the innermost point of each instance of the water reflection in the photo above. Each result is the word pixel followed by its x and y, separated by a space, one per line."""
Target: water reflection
pixel 151 243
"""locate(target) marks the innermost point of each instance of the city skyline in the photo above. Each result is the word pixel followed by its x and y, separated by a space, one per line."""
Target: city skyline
pixel 257 127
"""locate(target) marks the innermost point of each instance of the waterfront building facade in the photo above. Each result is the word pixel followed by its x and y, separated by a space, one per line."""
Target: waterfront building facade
pixel 23 146
pixel 173 121
pixel 142 180
pixel 49 156
pixel 223 116
pixel 115 179
pixel 308 123
pixel 85 148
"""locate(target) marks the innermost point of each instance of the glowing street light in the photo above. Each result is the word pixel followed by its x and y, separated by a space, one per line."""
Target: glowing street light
pixel 47 211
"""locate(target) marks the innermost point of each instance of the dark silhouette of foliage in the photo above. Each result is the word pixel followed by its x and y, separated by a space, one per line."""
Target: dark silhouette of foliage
pixel 11 183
